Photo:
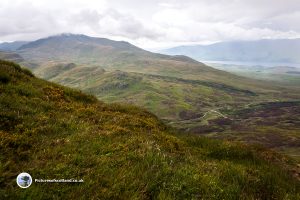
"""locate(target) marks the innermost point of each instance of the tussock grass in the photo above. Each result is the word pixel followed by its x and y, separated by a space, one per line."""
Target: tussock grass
pixel 120 151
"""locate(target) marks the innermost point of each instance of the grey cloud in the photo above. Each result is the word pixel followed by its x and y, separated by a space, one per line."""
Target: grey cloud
pixel 115 23
pixel 25 19
pixel 152 23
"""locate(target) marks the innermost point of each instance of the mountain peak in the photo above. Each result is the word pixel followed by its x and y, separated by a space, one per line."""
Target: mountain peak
pixel 76 41
pixel 68 35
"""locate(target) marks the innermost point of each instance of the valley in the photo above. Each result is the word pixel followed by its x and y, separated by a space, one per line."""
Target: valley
pixel 283 73
pixel 124 151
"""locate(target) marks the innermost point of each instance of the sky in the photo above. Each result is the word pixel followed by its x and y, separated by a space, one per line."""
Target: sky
pixel 152 24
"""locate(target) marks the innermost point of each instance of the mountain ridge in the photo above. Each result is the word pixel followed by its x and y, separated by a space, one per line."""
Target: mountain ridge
pixel 12 46
pixel 267 50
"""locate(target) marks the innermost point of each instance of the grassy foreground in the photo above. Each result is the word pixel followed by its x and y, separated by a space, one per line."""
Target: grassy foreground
pixel 120 151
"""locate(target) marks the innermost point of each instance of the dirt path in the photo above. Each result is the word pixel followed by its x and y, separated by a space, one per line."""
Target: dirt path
pixel 214 112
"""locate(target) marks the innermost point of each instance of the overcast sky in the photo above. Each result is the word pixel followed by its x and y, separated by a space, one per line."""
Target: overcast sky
pixel 154 23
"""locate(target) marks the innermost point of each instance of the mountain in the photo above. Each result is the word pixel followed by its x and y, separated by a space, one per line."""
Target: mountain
pixel 71 46
pixel 11 46
pixel 120 151
pixel 280 50
pixel 110 55
pixel 83 49
pixel 119 55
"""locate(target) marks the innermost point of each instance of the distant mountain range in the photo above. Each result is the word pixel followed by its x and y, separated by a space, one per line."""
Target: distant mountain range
pixel 279 50
pixel 11 46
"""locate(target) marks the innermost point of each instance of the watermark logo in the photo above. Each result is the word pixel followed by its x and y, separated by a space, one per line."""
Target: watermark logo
pixel 24 180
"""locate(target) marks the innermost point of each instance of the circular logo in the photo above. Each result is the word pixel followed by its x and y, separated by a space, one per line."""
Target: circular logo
pixel 24 180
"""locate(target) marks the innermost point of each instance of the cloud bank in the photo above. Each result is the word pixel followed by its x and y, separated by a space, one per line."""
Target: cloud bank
pixel 152 24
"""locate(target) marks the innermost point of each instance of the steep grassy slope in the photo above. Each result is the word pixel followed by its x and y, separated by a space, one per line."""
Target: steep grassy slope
pixel 121 152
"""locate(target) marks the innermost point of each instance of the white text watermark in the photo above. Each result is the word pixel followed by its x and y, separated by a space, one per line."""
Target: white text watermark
pixel 72 180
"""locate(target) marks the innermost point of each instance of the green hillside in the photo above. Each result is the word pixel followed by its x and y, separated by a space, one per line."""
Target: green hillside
pixel 184 93
pixel 191 105
pixel 120 151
